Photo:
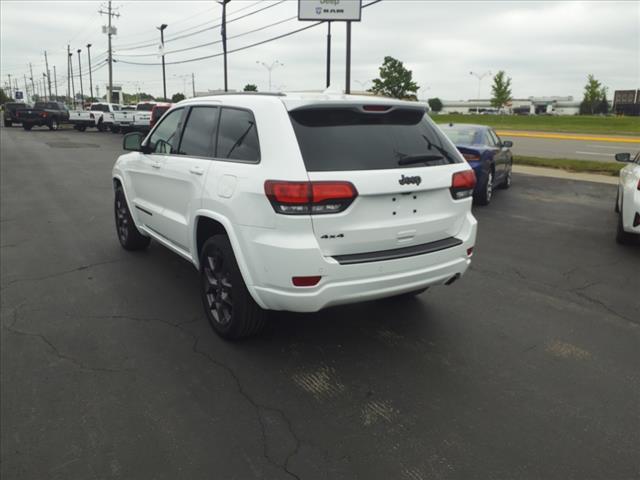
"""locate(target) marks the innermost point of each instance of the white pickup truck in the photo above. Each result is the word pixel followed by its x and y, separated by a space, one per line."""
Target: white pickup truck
pixel 123 119
pixel 99 116
pixel 142 116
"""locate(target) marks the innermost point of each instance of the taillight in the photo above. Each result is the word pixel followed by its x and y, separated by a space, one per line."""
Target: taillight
pixel 462 184
pixel 376 108
pixel 471 157
pixel 309 198
pixel 44 114
pixel 638 184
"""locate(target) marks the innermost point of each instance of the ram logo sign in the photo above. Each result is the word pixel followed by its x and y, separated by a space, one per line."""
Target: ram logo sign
pixel 334 10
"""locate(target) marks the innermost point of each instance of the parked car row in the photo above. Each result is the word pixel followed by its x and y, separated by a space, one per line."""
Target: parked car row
pixel 101 116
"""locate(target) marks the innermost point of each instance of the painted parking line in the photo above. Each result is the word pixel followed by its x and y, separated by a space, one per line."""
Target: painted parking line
pixel 568 136
pixel 597 153
pixel 605 146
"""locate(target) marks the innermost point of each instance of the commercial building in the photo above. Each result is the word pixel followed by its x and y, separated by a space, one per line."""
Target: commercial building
pixel 626 102
pixel 523 106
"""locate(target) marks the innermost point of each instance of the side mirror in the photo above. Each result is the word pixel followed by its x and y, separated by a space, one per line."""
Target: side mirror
pixel 623 157
pixel 507 144
pixel 133 141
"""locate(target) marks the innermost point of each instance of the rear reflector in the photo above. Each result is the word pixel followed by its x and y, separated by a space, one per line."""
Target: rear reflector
pixel 462 184
pixel 305 198
pixel 306 281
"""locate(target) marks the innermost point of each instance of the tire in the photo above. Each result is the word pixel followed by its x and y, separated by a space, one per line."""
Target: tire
pixel 485 192
pixel 228 305
pixel 80 128
pixel 115 129
pixel 8 123
pixel 129 236
pixel 506 183
pixel 625 238
pixel 27 127
pixel 53 124
pixel 101 126
pixel 617 206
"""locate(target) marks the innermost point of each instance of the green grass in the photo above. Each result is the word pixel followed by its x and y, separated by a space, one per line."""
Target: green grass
pixel 582 166
pixel 543 123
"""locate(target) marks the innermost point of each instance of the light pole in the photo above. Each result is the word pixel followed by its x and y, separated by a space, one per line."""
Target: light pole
pixel 270 68
pixel 184 82
pixel 479 76
pixel 363 84
pixel 164 78
pixel 80 74
pixel 90 79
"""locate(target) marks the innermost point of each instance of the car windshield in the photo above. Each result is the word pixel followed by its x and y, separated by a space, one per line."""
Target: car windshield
pixel 461 135
pixel 338 139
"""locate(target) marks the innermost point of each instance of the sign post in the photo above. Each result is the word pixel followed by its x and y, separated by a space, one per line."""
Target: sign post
pixel 333 11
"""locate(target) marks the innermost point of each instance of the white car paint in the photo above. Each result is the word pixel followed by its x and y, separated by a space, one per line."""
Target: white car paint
pixel 628 198
pixel 142 116
pixel 271 247
pixel 99 113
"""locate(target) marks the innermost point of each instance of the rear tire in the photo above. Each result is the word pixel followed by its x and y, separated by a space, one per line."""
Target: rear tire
pixel 506 183
pixel 129 236
pixel 27 127
pixel 53 124
pixel 485 193
pixel 8 123
pixel 229 307
pixel 617 206
pixel 80 128
pixel 115 129
pixel 101 126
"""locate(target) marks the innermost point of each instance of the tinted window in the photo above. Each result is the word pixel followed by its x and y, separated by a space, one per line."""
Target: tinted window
pixel 199 132
pixel 145 107
pixel 335 139
pixel 488 139
pixel 237 136
pixel 164 138
pixel 39 105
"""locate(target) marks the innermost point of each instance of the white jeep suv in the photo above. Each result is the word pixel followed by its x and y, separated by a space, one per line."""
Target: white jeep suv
pixel 298 202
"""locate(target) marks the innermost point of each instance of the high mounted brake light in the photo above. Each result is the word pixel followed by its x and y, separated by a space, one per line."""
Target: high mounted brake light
pixel 376 108
pixel 462 184
pixel 309 198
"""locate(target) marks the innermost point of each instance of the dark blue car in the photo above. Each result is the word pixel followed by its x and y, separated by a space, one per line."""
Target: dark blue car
pixel 489 157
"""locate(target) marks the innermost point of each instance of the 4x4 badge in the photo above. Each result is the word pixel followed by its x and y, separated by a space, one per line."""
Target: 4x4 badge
pixel 409 180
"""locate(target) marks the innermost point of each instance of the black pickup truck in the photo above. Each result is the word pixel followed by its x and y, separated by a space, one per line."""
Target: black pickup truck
pixel 10 110
pixel 43 114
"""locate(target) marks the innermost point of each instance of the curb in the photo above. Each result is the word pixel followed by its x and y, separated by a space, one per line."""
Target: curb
pixel 564 174
pixel 568 136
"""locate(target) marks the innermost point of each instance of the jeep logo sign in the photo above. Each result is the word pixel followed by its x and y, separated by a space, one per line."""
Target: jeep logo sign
pixel 334 10
pixel 410 180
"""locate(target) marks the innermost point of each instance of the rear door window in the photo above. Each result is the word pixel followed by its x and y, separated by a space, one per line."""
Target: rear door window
pixel 338 139
pixel 238 136
pixel 199 133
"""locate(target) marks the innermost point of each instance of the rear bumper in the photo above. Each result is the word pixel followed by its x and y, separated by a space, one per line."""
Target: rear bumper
pixel 273 263
pixel 83 123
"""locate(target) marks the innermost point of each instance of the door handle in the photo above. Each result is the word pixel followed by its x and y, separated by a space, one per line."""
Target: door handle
pixel 197 170
pixel 155 165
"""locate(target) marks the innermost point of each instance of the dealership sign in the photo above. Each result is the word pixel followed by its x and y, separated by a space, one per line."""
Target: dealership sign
pixel 333 10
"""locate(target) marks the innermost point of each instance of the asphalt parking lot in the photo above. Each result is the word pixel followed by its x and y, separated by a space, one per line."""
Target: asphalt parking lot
pixel 527 368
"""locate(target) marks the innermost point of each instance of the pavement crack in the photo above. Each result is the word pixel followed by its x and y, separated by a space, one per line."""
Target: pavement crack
pixel 59 274
pixel 55 350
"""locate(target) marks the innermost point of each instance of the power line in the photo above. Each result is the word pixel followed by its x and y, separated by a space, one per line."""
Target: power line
pixel 239 49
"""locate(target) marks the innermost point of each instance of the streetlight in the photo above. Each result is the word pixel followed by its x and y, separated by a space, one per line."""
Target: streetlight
pixel 164 79
pixel 80 74
pixel 363 84
pixel 90 79
pixel 479 76
pixel 184 82
pixel 270 68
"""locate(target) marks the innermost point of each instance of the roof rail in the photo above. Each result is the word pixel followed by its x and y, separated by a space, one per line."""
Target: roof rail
pixel 216 94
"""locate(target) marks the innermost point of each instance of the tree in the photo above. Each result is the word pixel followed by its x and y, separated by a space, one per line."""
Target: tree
pixel 500 90
pixel 435 104
pixel 250 87
pixel 3 97
pixel 395 81
pixel 177 97
pixel 593 92
pixel 603 104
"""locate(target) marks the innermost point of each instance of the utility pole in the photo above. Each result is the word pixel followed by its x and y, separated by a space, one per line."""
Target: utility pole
pixel 193 84
pixel 26 90
pixel 90 79
pixel 68 76
pixel 270 68
pixel 347 88
pixel 110 14
pixel 55 81
pixel 10 86
pixel 328 53
pixel 33 87
pixel 80 75
pixel 44 87
pixel 73 87
pixel 46 62
pixel 223 31
pixel 164 75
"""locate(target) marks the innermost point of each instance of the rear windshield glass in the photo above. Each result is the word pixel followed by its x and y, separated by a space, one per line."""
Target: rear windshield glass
pixel 99 108
pixel 16 106
pixel 335 139
pixel 145 107
pixel 40 105
pixel 463 135
pixel 158 112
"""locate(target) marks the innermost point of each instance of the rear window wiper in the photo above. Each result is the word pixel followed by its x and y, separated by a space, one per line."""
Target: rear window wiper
pixel 419 158
pixel 440 149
